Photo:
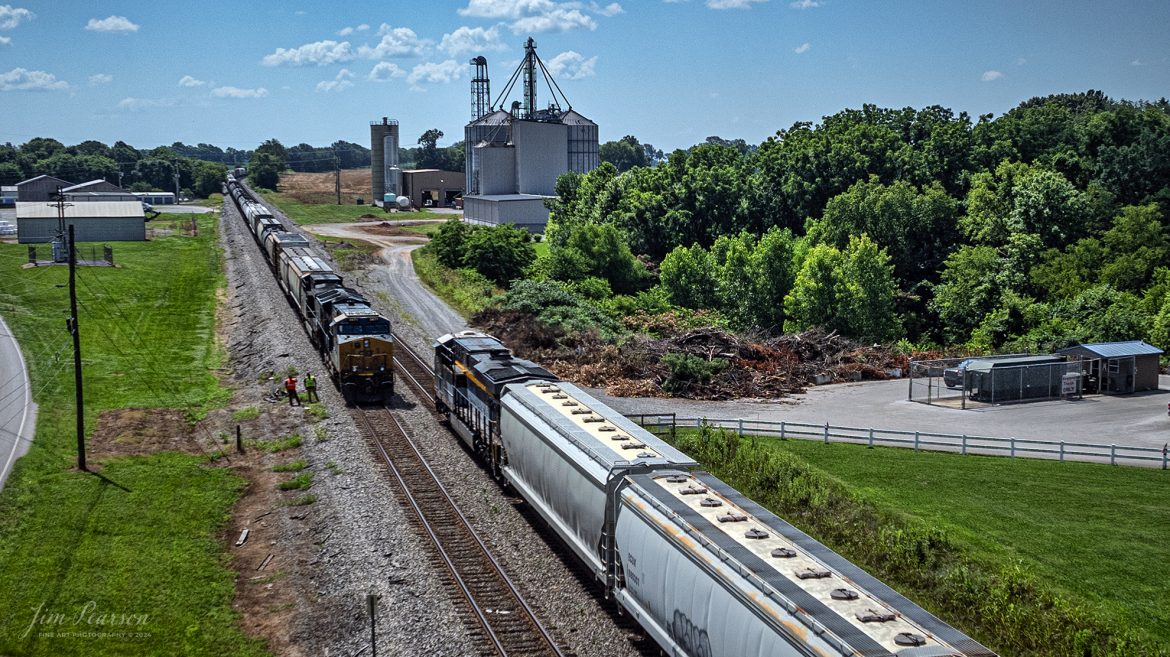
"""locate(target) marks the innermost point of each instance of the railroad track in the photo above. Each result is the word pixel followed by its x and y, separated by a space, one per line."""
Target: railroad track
pixel 416 372
pixel 497 616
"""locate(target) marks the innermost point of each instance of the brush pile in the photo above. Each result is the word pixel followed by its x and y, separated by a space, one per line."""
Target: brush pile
pixel 697 363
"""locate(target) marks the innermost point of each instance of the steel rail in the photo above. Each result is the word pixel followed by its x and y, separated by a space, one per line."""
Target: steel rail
pixel 439 496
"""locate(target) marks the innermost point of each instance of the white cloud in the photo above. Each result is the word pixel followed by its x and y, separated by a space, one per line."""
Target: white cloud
pixel 11 16
pixel 802 48
pixel 22 79
pixel 447 71
pixel 111 24
pixel 532 16
pixel 1136 62
pixel 396 41
pixel 571 65
pixel 345 31
pixel 188 81
pixel 100 78
pixel 319 53
pixel 471 39
pixel 140 104
pixel 1021 61
pixel 732 4
pixel 236 92
pixel 339 82
pixel 805 4
pixel 990 76
pixel 384 71
pixel 4 41
pixel 362 28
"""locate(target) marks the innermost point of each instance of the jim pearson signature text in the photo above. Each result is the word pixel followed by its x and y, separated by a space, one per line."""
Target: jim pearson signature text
pixel 86 615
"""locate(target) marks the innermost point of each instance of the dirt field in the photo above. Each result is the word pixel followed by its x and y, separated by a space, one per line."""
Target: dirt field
pixel 320 187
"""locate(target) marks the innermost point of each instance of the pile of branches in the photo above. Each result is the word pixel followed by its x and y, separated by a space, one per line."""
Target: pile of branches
pixel 728 366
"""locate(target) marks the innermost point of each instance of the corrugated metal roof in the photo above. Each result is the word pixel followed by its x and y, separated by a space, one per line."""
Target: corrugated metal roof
pixel 508 197
pixel 36 178
pixel 87 210
pixel 1117 349
pixel 81 186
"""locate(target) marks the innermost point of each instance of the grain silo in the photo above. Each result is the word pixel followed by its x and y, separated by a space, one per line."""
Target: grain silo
pixel 385 172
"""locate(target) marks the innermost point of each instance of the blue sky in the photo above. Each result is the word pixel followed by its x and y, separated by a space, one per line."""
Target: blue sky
pixel 669 72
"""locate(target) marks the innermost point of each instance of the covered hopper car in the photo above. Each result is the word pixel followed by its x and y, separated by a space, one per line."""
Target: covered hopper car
pixel 704 570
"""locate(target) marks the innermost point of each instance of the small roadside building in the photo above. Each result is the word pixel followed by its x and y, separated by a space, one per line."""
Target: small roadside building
pixel 40 188
pixel 432 188
pixel 1117 367
pixel 99 221
pixel 156 198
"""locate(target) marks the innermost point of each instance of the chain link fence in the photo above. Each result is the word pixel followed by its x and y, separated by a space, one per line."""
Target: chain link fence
pixel 1002 379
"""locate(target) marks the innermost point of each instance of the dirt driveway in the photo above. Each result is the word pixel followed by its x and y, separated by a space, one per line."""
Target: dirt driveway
pixel 417 305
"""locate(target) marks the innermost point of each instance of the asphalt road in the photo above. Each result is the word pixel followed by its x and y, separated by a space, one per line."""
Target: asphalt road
pixel 18 413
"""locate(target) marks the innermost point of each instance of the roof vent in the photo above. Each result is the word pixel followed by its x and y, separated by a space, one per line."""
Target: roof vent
pixel 783 553
pixel 732 517
pixel 874 616
pixel 646 455
pixel 756 534
pixel 844 594
pixel 813 573
pixel 632 445
pixel 677 479
pixel 909 639
pixel 620 436
pixel 692 490
pixel 710 502
pixel 560 396
pixel 581 411
pixel 593 418
pixel 569 403
pixel 606 428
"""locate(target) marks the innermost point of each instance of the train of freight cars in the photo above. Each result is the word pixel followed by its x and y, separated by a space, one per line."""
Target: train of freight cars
pixel 354 340
pixel 706 571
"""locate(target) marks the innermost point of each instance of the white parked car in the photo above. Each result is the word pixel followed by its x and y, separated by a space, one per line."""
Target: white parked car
pixel 7 228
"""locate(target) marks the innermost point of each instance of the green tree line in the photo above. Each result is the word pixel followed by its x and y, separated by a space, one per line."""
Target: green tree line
pixel 1039 228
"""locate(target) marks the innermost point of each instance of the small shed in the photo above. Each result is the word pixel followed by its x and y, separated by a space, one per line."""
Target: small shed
pixel 1117 367
pixel 432 187
pixel 99 221
pixel 1015 378
pixel 40 188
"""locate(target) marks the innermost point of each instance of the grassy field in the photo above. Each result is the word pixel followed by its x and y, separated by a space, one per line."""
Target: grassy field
pixel 1030 557
pixel 135 544
pixel 328 213
pixel 1098 533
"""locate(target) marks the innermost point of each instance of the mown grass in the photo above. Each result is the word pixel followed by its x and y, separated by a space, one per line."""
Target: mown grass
pixel 141 537
pixel 1029 557
pixel 331 213
pixel 291 466
pixel 1099 533
pixel 277 446
pixel 463 290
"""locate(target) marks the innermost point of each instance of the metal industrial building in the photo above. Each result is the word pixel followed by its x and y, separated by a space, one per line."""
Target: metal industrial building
pixel 385 173
pixel 514 157
pixel 99 221
pixel 40 188
pixel 432 187
pixel 95 186
pixel 1117 367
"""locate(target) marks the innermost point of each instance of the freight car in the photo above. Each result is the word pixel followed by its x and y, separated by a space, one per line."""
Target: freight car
pixel 704 570
pixel 356 343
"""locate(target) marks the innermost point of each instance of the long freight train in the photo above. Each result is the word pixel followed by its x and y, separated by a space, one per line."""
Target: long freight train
pixel 354 340
pixel 706 571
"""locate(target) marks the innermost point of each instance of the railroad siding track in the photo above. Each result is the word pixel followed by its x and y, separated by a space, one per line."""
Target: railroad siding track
pixel 416 372
pixel 497 616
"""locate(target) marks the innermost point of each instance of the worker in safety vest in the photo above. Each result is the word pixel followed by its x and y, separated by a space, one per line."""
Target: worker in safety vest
pixel 290 387
pixel 311 388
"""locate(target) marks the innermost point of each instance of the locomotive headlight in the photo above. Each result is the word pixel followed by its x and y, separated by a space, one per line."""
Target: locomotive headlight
pixel 355 368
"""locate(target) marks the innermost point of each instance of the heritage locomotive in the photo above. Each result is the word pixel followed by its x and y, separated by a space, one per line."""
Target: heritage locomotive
pixel 703 569
pixel 355 341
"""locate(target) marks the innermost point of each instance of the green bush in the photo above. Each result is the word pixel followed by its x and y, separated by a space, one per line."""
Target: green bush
pixel 555 304
pixel 687 371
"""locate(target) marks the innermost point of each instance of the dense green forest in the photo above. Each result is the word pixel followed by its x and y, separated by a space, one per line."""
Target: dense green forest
pixel 1029 231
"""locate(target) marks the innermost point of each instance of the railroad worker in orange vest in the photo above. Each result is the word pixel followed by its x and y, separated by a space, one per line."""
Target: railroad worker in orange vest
pixel 290 386
pixel 311 388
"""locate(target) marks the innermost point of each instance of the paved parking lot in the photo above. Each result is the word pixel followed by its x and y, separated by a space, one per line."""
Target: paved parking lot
pixel 1138 420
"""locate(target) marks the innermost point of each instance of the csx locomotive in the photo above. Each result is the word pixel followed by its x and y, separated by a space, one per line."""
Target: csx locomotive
pixel 703 569
pixel 355 341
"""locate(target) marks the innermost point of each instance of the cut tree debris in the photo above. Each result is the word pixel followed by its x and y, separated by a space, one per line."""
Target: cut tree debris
pixel 750 367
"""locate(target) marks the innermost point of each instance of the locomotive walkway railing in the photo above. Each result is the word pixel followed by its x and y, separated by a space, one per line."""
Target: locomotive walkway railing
pixel 666 424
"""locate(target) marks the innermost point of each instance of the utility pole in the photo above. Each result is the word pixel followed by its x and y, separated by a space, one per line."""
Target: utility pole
pixel 337 178
pixel 176 183
pixel 73 329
